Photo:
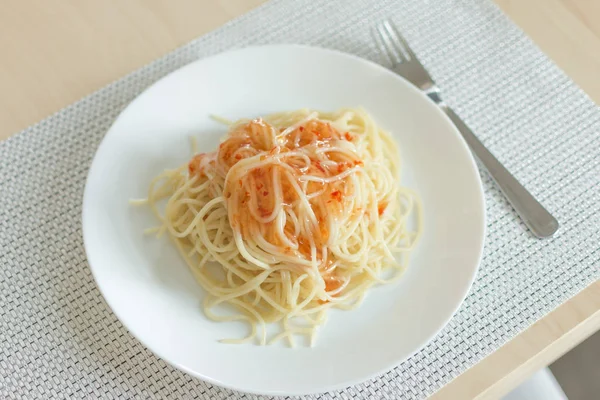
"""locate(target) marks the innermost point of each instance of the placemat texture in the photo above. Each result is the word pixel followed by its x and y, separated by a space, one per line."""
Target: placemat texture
pixel 58 338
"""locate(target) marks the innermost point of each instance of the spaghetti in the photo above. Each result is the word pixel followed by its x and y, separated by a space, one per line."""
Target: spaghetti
pixel 292 215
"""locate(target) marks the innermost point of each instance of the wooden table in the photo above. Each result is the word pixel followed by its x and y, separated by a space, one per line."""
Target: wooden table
pixel 52 53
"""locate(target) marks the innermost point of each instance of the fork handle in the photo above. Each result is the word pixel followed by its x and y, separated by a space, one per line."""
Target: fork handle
pixel 535 216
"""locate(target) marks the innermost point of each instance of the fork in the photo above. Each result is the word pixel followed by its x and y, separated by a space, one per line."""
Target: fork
pixel 405 63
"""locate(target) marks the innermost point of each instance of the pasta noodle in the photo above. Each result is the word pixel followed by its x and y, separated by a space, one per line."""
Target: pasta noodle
pixel 292 215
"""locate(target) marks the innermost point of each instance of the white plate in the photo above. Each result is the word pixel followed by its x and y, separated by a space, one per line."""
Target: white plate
pixel 150 288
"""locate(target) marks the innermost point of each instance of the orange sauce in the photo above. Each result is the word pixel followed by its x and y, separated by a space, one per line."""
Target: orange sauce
pixel 194 164
pixel 381 208
pixel 255 193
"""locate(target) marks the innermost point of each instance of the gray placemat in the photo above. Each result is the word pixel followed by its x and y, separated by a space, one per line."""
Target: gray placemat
pixel 58 338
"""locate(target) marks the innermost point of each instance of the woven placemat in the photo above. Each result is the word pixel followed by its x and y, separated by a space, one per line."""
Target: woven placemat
pixel 58 338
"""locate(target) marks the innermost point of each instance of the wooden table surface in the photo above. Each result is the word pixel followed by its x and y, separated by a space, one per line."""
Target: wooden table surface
pixel 52 53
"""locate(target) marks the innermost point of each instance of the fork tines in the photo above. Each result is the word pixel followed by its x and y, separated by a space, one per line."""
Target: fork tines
pixel 393 43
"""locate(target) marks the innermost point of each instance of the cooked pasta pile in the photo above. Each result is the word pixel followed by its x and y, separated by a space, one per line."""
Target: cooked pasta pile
pixel 293 214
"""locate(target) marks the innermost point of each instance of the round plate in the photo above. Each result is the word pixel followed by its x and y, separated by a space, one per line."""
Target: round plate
pixel 150 288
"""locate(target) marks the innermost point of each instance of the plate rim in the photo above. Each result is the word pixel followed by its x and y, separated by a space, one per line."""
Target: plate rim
pixel 348 382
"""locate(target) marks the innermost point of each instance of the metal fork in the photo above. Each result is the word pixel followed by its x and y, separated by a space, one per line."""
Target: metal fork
pixel 406 64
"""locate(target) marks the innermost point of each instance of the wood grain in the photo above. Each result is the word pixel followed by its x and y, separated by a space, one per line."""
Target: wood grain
pixel 54 53
pixel 568 31
pixel 538 346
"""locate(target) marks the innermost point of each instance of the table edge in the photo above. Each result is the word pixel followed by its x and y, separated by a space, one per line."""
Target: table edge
pixel 520 357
